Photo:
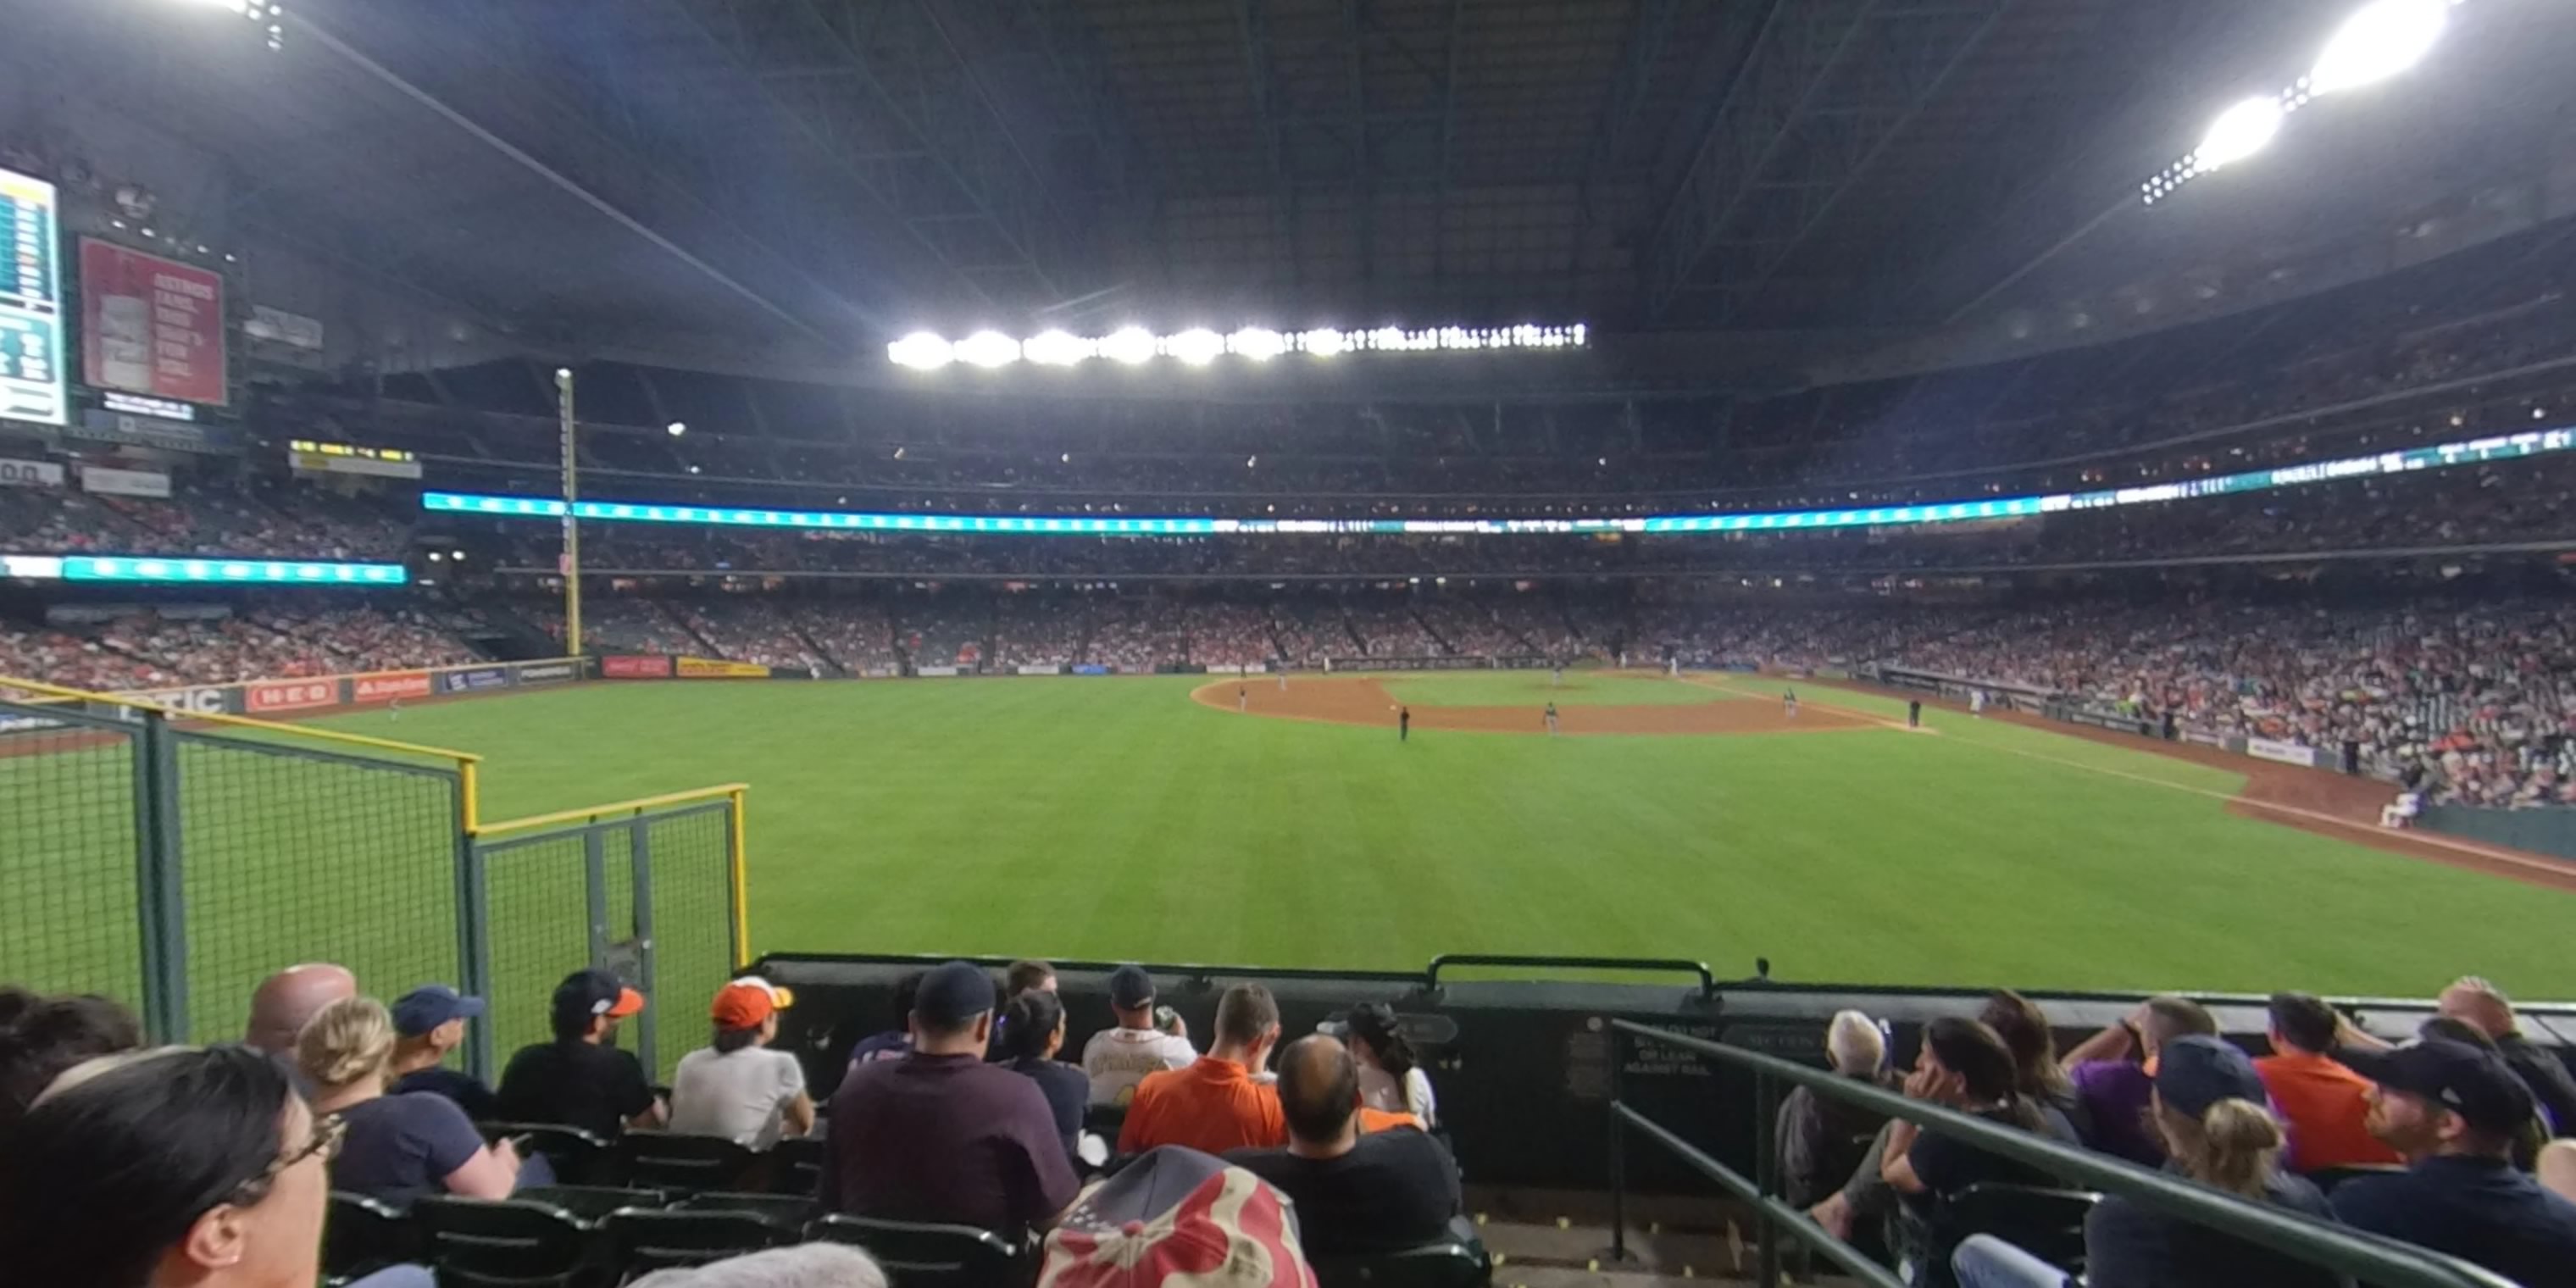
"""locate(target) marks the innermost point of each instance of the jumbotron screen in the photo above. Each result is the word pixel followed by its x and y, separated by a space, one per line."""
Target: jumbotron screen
pixel 31 302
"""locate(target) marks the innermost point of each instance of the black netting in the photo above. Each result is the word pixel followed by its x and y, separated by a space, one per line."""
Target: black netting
pixel 292 855
pixel 69 920
pixel 540 931
pixel 692 921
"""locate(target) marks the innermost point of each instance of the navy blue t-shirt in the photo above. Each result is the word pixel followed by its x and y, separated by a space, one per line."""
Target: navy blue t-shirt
pixel 2480 1210
pixel 401 1147
pixel 470 1095
pixel 1067 1092
pixel 2128 1245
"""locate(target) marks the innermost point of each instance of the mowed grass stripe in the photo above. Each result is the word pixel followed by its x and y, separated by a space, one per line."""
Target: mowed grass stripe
pixel 1115 818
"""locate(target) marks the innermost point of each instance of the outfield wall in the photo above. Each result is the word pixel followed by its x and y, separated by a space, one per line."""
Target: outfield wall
pixel 307 695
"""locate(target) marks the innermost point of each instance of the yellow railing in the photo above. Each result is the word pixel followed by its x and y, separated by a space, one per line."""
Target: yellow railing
pixel 469 780
pixel 738 866
pixel 468 765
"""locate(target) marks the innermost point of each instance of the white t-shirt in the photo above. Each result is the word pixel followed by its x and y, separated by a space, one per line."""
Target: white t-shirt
pixel 737 1094
pixel 1117 1059
pixel 1379 1092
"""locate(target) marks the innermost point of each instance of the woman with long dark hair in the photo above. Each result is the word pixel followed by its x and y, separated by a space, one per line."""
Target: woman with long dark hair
pixel 1032 1032
pixel 1391 1076
pixel 2036 1073
pixel 172 1167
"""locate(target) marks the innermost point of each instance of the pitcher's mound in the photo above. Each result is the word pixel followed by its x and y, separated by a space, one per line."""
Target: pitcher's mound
pixel 1366 702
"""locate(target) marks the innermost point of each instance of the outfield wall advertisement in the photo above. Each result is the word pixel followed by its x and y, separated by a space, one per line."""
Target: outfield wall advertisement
pixel 324 692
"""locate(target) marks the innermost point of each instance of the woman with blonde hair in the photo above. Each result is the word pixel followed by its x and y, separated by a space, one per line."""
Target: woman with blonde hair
pixel 2209 1110
pixel 397 1147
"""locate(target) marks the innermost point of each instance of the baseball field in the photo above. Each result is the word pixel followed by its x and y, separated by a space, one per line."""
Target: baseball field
pixel 1185 819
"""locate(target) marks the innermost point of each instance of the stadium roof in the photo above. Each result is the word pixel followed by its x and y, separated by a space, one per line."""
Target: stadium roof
pixel 820 174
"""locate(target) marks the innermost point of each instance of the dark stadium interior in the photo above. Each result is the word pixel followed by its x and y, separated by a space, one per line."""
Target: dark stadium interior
pixel 1922 352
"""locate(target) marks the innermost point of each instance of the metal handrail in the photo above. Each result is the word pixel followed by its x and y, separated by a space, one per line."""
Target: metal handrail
pixel 2383 1262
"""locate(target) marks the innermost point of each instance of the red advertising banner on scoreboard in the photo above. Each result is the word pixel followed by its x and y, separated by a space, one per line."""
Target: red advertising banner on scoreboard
pixel 151 325
pixel 632 667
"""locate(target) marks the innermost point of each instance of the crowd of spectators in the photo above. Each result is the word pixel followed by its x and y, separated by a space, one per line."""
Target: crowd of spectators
pixel 2454 1138
pixel 204 644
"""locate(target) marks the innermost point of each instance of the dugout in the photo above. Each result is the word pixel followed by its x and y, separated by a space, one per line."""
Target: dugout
pixel 1520 1048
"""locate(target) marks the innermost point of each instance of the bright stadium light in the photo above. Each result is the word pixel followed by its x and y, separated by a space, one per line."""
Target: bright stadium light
pixel 2238 133
pixel 1197 346
pixel 1324 343
pixel 1130 345
pixel 921 351
pixel 2384 39
pixel 1256 343
pixel 676 428
pixel 988 349
pixel 1057 349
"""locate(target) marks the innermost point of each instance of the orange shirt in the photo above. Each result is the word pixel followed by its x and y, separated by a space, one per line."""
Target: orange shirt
pixel 1212 1105
pixel 2324 1103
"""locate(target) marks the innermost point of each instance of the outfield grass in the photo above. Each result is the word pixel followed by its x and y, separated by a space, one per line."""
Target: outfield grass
pixel 1535 689
pixel 1116 818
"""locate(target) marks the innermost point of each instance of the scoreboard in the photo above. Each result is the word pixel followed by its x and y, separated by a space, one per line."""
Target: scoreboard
pixel 31 302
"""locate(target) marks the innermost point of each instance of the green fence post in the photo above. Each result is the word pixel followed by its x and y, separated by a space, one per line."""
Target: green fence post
pixel 639 851
pixel 160 890
pixel 474 944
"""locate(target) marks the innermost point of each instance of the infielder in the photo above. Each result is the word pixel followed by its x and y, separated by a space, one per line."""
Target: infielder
pixel 1551 720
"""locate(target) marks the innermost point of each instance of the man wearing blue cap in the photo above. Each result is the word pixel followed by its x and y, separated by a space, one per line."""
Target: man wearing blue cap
pixel 940 1135
pixel 429 1022
pixel 2452 1111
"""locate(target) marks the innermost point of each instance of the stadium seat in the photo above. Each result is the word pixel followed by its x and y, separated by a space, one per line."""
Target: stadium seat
pixel 796 1166
pixel 2047 1223
pixel 363 1235
pixel 682 1162
pixel 510 1243
pixel 578 1156
pixel 788 1211
pixel 1450 1263
pixel 649 1239
pixel 922 1254
pixel 592 1204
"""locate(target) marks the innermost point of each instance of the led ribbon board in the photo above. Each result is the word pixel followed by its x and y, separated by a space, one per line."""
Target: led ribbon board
pixel 2445 456
pixel 191 570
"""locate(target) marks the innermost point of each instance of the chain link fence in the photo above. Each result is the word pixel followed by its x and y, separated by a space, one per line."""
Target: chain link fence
pixel 173 868
pixel 69 903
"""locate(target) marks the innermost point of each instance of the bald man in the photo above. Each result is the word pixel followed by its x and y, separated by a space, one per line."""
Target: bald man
pixel 1355 1194
pixel 2484 1007
pixel 285 1000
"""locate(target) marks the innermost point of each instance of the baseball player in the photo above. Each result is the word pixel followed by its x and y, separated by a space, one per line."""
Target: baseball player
pixel 1551 720
pixel 1242 698
pixel 1789 703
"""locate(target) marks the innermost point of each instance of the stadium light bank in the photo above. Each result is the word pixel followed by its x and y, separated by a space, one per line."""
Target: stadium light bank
pixel 1198 347
pixel 2379 41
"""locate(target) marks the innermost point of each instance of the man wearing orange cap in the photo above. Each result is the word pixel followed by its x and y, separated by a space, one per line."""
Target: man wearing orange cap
pixel 737 1087
pixel 581 1079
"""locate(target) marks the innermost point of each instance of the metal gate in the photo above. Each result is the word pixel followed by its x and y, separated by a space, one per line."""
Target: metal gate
pixel 658 885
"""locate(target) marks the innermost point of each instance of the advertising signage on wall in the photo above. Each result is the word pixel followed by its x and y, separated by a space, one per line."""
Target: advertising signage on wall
pixel 31 303
pixel 150 325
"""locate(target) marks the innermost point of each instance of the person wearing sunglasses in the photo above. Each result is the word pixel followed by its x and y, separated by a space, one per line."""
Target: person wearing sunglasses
pixel 195 1166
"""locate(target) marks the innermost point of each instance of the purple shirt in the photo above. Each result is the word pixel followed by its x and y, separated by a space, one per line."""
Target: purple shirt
pixel 945 1138
pixel 2115 1095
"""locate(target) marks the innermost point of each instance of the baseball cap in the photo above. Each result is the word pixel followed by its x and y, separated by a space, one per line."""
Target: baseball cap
pixel 1130 987
pixel 587 994
pixel 2475 1084
pixel 430 1005
pixel 747 1002
pixel 2198 1071
pixel 953 994
pixel 1177 1216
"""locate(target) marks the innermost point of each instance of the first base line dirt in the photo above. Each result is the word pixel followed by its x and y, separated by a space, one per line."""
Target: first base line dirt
pixel 1366 702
